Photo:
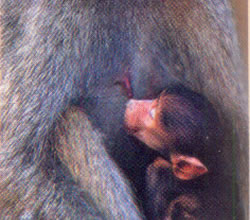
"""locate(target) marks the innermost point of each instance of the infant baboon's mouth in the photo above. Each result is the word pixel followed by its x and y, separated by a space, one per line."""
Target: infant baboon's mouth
pixel 131 131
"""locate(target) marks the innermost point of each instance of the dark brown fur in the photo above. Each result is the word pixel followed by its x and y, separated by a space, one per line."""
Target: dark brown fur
pixel 169 198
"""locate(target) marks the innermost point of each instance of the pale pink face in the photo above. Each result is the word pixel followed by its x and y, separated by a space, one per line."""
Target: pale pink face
pixel 142 121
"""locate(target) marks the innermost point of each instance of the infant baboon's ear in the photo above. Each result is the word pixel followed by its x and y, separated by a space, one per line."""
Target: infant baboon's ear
pixel 187 167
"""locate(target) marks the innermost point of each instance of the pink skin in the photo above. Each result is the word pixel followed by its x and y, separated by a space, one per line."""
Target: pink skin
pixel 125 83
pixel 140 122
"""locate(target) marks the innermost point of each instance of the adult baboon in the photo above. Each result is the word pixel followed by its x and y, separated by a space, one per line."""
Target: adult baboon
pixel 55 54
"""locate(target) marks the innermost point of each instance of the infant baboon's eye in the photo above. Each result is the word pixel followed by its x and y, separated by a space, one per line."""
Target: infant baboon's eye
pixel 153 113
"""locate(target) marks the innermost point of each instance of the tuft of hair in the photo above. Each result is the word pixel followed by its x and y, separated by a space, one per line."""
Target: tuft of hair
pixel 191 118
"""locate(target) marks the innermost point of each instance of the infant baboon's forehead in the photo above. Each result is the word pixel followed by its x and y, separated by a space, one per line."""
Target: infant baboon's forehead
pixel 174 103
pixel 176 112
